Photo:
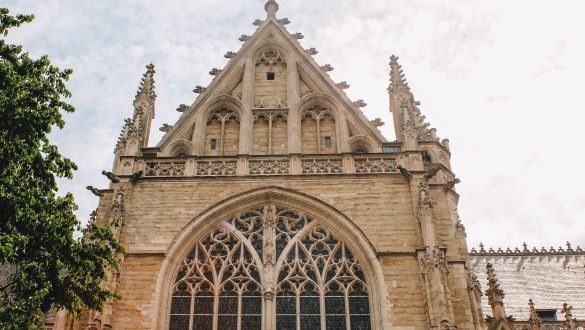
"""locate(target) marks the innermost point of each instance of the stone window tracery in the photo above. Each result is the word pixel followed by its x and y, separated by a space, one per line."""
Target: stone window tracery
pixel 270 268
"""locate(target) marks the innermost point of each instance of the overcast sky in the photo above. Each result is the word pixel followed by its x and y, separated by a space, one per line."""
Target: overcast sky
pixel 503 80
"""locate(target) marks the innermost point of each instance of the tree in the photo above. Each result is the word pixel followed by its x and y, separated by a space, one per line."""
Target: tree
pixel 46 266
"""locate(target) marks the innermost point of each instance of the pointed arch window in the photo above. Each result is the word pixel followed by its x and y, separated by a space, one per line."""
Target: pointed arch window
pixel 270 268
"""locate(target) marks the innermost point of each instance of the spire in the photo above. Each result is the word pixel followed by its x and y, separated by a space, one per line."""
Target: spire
pixel 271 8
pixel 137 128
pixel 534 320
pixel 494 293
pixel 146 88
pixel 405 111
pixel 397 78
pixel 570 322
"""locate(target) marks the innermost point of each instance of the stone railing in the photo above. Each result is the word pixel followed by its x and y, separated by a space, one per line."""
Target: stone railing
pixel 548 325
pixel 267 165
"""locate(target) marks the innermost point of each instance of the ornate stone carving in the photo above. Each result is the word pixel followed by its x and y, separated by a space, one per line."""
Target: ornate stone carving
pixel 215 72
pixel 168 168
pixel 424 199
pixel 94 191
pixel 359 103
pixel 117 209
pixel 111 176
pixel 321 166
pixel 199 89
pixel 368 165
pixel 244 38
pixel 283 21
pixel 182 108
pixel 327 68
pixel 432 258
pixel 216 168
pixel 166 128
pixel 311 51
pixel 343 85
pixel 258 22
pixel 377 122
pixel 230 54
pixel 271 57
pixel 298 35
pixel 269 167
pixel 534 320
pixel 525 251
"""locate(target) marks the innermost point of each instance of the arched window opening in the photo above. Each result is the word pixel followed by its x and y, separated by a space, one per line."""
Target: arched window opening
pixel 426 157
pixel 318 123
pixel 270 266
pixel 222 133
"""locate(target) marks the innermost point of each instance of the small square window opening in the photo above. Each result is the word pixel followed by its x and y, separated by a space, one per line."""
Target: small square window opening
pixel 269 75
pixel 328 142
pixel 213 144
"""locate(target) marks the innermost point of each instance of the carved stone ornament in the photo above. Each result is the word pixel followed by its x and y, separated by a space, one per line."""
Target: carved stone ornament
pixel 424 200
pixel 433 258
pixel 244 38
pixel 446 325
pixel 298 35
pixel 258 22
pixel 284 21
pixel 230 54
pixel 359 103
pixel 473 283
pixel 182 108
pixel 166 128
pixel 311 51
pixel 215 71
pixel 327 67
pixel 199 89
pixel 343 85
pixel 117 209
pixel 377 122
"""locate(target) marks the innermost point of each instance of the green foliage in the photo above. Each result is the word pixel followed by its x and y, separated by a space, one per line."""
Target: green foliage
pixel 47 267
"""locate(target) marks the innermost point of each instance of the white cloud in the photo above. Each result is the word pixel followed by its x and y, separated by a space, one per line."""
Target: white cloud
pixel 502 80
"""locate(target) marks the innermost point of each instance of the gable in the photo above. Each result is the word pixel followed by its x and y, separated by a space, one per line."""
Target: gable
pixel 272 71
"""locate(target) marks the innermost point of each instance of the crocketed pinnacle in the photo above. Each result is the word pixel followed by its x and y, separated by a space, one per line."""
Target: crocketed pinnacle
pixel 494 293
pixel 534 319
pixel 146 88
pixel 271 8
pixel 397 78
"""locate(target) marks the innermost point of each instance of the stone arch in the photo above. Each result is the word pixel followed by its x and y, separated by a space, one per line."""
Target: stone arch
pixel 320 130
pixel 361 144
pixel 221 126
pixel 337 222
pixel 179 148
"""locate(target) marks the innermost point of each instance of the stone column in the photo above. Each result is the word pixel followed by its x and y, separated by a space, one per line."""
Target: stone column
pixel 293 95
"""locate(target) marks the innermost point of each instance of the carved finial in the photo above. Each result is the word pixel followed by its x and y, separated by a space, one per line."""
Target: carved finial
pixel 397 78
pixel 570 322
pixel 182 108
pixel 257 22
pixel 311 51
pixel 244 38
pixel 166 128
pixel 525 247
pixel 271 8
pixel 481 248
pixel 494 293
pixel 534 319
pixel 569 248
pixel 230 54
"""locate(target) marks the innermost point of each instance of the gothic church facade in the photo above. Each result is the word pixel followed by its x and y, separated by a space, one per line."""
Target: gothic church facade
pixel 274 203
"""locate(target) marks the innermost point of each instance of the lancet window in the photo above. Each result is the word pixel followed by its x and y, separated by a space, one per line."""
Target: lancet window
pixel 270 268
pixel 318 130
pixel 222 133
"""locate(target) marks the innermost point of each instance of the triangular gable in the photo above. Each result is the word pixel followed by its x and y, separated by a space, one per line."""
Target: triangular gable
pixel 311 79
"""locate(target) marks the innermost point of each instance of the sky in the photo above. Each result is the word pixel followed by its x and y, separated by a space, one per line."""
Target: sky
pixel 503 80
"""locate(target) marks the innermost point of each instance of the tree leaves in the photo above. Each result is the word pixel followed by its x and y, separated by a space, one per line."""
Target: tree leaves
pixel 47 268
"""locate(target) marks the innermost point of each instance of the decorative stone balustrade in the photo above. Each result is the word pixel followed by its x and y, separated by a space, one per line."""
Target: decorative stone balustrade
pixel 267 165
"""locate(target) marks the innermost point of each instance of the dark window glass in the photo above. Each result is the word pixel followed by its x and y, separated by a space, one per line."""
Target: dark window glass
pixel 269 75
pixel 213 144
pixel 179 322
pixel 390 149
pixel 547 315
pixel 427 158
pixel 328 142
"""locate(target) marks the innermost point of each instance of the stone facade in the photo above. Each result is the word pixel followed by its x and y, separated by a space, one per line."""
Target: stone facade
pixel 275 163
